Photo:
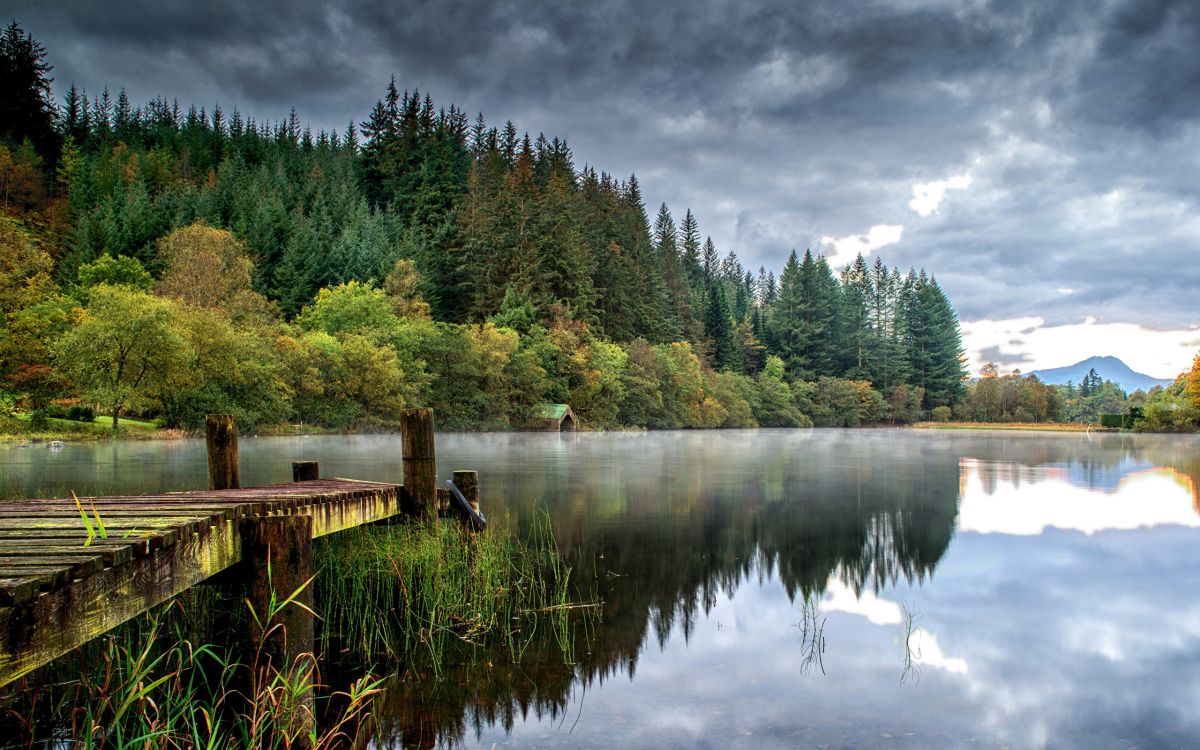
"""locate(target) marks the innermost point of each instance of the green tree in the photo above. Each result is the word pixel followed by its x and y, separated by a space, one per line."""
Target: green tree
pixel 718 330
pixel 788 332
pixel 124 350
pixel 119 271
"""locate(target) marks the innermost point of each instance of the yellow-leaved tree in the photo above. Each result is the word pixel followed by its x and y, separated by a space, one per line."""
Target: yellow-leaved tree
pixel 1191 388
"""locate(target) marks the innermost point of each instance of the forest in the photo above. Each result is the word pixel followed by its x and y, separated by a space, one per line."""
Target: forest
pixel 163 261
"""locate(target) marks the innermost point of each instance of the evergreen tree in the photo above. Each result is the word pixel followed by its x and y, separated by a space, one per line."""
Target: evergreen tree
pixel 787 329
pixel 712 264
pixel 857 292
pixel 674 278
pixel 26 108
pixel 933 341
pixel 693 262
pixel 718 331
pixel 821 296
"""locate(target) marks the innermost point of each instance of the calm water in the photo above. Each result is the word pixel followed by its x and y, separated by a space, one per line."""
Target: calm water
pixel 800 588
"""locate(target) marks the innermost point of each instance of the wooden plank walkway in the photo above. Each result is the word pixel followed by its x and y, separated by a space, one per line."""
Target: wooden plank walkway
pixel 58 590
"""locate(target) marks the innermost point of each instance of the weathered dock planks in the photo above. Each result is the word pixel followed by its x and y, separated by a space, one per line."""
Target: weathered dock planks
pixel 58 589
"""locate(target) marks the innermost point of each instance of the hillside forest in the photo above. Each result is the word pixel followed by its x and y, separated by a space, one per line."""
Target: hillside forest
pixel 162 261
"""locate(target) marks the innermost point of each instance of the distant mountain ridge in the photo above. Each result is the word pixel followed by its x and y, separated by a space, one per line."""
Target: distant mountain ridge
pixel 1109 368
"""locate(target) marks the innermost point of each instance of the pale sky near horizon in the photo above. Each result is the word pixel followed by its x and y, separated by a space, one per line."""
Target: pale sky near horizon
pixel 1040 159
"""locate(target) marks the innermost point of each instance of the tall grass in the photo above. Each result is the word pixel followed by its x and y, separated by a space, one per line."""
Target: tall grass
pixel 397 591
pixel 150 685
pixel 179 676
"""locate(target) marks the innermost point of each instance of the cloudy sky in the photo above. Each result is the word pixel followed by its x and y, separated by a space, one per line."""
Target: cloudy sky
pixel 1040 158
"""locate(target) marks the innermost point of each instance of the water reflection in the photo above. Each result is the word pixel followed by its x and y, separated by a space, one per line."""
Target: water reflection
pixel 870 588
pixel 1012 499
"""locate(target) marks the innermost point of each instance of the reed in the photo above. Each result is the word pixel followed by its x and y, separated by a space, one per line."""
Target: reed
pixel 178 677
pixel 151 685
pixel 394 591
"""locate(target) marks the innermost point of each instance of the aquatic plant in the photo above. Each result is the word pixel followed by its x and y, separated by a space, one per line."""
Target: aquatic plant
pixel 912 652
pixel 389 592
pixel 151 684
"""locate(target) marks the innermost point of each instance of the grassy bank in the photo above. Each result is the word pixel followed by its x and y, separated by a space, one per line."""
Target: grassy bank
pixel 18 428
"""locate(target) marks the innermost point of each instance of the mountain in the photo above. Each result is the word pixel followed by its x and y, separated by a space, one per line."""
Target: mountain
pixel 1110 368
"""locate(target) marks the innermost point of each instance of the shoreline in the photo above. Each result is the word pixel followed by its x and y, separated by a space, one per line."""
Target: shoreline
pixel 101 434
pixel 1022 426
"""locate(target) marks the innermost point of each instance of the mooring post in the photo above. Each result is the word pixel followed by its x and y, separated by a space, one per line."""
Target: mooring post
pixel 221 436
pixel 305 471
pixel 468 484
pixel 277 562
pixel 420 466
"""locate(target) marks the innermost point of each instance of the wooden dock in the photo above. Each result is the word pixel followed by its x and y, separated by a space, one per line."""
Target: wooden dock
pixel 63 583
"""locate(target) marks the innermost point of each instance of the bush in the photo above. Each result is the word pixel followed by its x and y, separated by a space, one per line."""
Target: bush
pixel 940 414
pixel 55 411
pixel 1112 420
pixel 80 413
pixel 39 419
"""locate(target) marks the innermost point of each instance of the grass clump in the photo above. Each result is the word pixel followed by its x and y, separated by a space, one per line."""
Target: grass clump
pixel 397 590
pixel 155 683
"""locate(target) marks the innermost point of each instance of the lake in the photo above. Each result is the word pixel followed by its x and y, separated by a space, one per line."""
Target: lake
pixel 798 588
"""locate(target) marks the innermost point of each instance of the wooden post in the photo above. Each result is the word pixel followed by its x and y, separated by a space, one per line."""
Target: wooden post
pixel 420 467
pixel 221 436
pixel 277 561
pixel 305 471
pixel 468 483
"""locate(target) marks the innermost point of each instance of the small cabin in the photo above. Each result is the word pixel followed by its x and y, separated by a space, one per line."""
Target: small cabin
pixel 557 418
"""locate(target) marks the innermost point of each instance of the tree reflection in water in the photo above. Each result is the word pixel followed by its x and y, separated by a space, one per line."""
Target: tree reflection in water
pixel 661 525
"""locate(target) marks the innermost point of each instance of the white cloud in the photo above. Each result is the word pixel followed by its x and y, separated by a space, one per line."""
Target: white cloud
pixel 927 196
pixel 1158 353
pixel 841 598
pixel 927 652
pixel 1020 505
pixel 845 249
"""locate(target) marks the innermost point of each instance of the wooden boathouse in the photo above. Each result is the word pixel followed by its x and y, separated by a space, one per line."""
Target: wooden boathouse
pixel 557 418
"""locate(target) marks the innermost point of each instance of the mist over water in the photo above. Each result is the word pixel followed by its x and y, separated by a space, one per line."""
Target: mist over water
pixel 785 588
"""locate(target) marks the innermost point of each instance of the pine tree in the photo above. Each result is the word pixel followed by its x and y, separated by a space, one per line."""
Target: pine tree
pixel 933 342
pixel 693 262
pixel 26 107
pixel 711 263
pixel 822 298
pixel 856 319
pixel 718 331
pixel 786 325
pixel 665 241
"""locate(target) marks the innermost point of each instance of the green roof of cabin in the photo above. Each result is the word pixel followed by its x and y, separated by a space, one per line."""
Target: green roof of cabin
pixel 554 411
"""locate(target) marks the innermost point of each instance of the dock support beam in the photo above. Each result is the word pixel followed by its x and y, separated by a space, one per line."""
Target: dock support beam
pixel 221 438
pixel 420 465
pixel 305 471
pixel 277 560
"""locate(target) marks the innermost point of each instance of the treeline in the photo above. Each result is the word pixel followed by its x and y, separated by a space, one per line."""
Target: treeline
pixel 1013 397
pixel 497 256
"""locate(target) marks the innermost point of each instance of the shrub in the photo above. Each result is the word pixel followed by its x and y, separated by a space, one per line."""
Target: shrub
pixel 80 413
pixel 940 414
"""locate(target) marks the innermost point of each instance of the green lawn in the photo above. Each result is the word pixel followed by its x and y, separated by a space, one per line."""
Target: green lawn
pixel 17 427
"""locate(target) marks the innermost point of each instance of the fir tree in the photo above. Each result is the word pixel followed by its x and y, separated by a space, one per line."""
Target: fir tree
pixel 718 331
pixel 26 108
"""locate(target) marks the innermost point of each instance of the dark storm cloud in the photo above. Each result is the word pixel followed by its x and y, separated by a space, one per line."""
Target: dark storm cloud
pixel 779 123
